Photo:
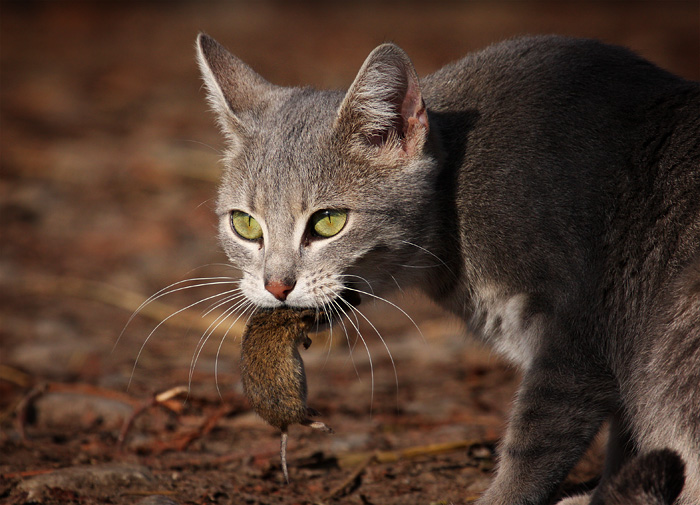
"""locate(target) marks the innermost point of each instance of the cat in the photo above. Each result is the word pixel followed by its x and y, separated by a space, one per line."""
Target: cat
pixel 545 189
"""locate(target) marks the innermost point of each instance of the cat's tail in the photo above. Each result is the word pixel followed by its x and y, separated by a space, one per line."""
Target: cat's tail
pixel 655 478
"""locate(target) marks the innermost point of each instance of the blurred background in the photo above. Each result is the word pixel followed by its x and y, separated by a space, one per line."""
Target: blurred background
pixel 109 161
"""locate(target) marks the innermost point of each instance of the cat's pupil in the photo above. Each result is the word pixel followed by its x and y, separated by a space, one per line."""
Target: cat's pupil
pixel 327 222
pixel 245 225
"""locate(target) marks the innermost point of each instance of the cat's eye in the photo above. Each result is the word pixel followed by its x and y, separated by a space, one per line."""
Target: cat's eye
pixel 328 222
pixel 245 225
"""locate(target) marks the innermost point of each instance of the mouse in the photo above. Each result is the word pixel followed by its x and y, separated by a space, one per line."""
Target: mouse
pixel 272 370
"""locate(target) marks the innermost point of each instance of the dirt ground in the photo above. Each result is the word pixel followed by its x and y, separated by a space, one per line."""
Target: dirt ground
pixel 108 168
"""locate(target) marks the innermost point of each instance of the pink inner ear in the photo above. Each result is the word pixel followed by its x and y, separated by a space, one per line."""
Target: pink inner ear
pixel 412 102
pixel 414 117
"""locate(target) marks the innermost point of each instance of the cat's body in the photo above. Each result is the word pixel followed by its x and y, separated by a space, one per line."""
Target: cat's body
pixel 546 190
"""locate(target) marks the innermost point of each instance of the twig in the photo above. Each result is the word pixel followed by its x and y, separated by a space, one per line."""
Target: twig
pixel 160 399
pixel 23 409
pixel 27 473
pixel 352 459
pixel 344 488
pixel 15 376
pixel 181 442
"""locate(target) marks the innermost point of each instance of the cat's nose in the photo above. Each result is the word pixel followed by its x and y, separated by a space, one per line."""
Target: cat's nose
pixel 279 289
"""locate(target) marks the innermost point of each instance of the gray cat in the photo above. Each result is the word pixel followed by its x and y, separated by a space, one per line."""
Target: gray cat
pixel 546 190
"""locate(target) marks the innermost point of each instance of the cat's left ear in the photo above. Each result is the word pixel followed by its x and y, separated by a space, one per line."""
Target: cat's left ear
pixel 235 91
pixel 383 111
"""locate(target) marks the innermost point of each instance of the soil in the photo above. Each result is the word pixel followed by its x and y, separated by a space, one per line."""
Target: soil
pixel 108 166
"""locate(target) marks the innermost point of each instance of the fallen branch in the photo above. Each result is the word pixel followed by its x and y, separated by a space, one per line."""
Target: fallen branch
pixel 353 459
pixel 27 473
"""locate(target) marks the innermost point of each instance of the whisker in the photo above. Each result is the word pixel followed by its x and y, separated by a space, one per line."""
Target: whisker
pixel 167 290
pixel 221 342
pixel 430 253
pixel 397 284
pixel 369 354
pixel 138 356
pixel 388 351
pixel 217 151
pixel 330 336
pixel 359 277
pixel 393 305
pixel 208 333
pixel 223 301
pixel 345 330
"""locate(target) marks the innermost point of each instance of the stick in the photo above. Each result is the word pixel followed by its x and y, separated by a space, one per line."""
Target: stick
pixel 159 399
pixel 340 490
pixel 352 459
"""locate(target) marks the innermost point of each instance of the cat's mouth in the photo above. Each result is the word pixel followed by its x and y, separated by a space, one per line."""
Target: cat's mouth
pixel 351 296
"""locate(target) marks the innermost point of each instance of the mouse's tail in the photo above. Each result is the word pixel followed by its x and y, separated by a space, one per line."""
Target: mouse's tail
pixel 283 455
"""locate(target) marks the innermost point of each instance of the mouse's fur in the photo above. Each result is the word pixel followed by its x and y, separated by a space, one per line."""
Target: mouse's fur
pixel 272 370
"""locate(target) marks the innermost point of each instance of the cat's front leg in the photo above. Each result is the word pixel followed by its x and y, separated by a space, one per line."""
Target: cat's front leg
pixel 558 410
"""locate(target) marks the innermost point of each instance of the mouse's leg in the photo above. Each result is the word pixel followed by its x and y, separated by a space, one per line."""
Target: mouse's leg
pixel 306 342
pixel 317 425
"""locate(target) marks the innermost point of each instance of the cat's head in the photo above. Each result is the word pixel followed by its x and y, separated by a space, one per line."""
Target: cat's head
pixel 323 192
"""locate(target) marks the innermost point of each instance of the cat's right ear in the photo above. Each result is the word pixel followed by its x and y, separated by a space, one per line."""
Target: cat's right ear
pixel 383 114
pixel 234 91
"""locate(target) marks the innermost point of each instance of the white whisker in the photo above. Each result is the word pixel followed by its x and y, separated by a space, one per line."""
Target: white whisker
pixel 330 336
pixel 224 301
pixel 209 332
pixel 351 346
pixel 430 253
pixel 392 304
pixel 397 284
pixel 369 354
pixel 217 151
pixel 388 351
pixel 167 290
pixel 221 343
pixel 138 356
pixel 361 278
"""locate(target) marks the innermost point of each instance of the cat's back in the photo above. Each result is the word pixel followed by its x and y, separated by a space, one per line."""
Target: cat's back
pixel 592 116
pixel 571 144
pixel 582 92
pixel 532 67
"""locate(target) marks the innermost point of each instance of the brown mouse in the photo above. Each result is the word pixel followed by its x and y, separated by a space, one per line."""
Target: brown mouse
pixel 272 370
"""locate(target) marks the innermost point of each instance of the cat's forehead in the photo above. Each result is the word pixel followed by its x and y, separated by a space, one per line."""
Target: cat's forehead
pixel 298 125
pixel 289 160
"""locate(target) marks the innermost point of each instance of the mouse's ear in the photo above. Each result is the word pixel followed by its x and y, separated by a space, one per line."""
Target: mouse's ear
pixel 310 317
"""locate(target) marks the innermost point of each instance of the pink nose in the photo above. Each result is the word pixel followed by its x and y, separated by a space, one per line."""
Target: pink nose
pixel 280 290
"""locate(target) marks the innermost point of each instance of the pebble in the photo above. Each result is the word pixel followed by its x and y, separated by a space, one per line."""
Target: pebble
pixel 70 410
pixel 91 480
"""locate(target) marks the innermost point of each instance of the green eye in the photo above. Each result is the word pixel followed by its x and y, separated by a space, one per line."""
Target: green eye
pixel 328 222
pixel 245 225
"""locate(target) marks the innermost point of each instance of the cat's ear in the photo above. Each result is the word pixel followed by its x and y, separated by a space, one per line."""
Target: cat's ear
pixel 234 90
pixel 384 110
